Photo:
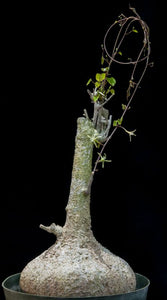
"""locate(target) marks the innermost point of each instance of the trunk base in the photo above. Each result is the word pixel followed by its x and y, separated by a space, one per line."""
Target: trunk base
pixel 12 291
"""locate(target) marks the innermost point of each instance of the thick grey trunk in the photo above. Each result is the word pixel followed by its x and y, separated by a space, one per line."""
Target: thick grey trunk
pixel 78 208
pixel 77 265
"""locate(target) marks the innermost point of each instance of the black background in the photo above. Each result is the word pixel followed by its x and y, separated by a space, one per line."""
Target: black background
pixel 54 51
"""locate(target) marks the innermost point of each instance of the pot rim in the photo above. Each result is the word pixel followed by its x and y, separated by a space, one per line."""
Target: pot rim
pixel 52 297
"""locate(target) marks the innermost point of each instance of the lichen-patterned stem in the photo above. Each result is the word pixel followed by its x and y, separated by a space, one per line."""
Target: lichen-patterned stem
pixel 78 208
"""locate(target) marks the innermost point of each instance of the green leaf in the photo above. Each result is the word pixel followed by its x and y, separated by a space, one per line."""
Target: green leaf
pixel 111 81
pixel 117 122
pixel 97 84
pixel 105 69
pixel 134 30
pixel 100 76
pixel 96 97
pixel 112 91
pixel 102 60
pixel 120 53
pixel 89 81
pixel 123 106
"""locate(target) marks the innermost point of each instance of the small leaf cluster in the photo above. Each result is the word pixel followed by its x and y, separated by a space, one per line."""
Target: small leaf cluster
pixel 103 84
pixel 103 159
pixel 95 139
pixel 118 122
pixel 103 91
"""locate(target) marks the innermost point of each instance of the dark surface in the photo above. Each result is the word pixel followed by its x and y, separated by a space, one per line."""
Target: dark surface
pixel 55 52
pixel 13 292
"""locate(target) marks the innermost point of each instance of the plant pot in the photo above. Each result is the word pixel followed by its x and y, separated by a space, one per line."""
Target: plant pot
pixel 12 291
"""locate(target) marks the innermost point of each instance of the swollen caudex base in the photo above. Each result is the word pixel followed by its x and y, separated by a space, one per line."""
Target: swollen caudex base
pixel 77 269
pixel 77 265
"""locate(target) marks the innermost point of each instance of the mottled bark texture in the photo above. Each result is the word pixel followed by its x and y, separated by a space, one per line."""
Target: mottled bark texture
pixel 77 265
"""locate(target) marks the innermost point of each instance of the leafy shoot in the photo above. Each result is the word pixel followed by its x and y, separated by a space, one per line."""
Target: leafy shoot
pixel 103 159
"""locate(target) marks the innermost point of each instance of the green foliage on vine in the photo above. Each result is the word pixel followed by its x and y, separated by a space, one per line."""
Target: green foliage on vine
pixel 103 83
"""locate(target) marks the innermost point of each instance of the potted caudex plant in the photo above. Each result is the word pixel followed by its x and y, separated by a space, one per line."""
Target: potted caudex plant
pixel 77 265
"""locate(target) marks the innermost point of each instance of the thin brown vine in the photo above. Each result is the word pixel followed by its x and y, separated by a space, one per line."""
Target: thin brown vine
pixel 98 96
